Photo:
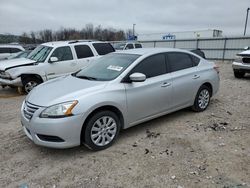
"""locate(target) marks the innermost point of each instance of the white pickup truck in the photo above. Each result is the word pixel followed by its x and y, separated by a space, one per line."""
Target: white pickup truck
pixel 241 65
pixel 50 60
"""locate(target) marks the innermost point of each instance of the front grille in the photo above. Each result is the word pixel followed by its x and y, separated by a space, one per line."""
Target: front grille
pixel 29 109
pixel 246 60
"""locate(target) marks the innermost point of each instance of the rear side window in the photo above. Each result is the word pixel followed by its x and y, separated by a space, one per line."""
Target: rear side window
pixel 14 50
pixel 195 60
pixel 179 61
pixel 4 50
pixel 103 48
pixel 63 53
pixel 138 46
pixel 129 46
pixel 83 51
pixel 152 66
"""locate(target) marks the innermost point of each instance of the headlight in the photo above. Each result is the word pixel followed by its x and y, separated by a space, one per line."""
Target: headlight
pixel 4 74
pixel 59 110
pixel 238 59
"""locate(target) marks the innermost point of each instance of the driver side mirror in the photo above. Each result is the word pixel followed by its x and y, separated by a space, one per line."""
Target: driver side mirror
pixel 137 77
pixel 53 59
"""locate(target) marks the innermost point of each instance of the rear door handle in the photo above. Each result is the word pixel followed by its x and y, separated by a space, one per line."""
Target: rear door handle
pixel 196 76
pixel 166 84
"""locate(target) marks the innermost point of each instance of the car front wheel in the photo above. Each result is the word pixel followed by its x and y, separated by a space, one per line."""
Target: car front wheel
pixel 29 83
pixel 101 130
pixel 202 99
pixel 239 74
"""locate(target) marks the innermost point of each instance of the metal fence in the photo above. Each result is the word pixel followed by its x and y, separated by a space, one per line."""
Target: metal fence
pixel 214 48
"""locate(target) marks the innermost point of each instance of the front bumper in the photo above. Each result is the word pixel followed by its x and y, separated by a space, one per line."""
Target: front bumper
pixel 68 129
pixel 241 66
pixel 15 82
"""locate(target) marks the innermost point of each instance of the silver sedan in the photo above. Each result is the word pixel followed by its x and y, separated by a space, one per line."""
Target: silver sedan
pixel 117 91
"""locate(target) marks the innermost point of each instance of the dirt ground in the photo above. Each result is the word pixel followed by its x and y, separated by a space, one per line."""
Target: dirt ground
pixel 183 149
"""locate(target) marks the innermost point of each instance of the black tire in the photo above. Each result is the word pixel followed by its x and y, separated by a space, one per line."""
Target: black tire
pixel 87 139
pixel 197 107
pixel 239 74
pixel 30 82
pixel 12 87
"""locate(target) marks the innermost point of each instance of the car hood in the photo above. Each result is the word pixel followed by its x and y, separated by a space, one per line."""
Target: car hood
pixel 63 89
pixel 11 63
pixel 245 53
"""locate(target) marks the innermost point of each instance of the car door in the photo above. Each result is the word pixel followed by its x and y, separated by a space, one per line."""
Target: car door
pixel 151 97
pixel 64 65
pixel 185 78
pixel 84 56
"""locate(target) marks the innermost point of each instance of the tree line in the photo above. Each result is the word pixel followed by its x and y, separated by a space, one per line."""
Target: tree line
pixel 88 32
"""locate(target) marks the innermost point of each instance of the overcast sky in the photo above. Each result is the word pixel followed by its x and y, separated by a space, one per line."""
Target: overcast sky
pixel 150 16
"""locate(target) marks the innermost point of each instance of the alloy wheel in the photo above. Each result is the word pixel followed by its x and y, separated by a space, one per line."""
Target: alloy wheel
pixel 103 131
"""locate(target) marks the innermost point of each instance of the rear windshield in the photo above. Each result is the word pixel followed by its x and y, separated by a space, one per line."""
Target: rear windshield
pixel 103 48
pixel 119 46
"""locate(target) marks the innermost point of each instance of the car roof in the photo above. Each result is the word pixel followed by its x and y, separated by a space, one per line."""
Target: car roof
pixel 127 42
pixel 71 42
pixel 149 51
pixel 11 46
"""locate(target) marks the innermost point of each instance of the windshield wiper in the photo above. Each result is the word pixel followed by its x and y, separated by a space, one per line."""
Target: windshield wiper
pixel 87 77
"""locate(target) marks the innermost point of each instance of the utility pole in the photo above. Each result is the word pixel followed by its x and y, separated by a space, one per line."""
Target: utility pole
pixel 134 30
pixel 246 22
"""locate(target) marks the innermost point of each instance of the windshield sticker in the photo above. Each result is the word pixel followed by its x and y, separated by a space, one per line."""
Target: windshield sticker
pixel 115 68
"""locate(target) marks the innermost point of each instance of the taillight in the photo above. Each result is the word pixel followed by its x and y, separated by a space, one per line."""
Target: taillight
pixel 216 68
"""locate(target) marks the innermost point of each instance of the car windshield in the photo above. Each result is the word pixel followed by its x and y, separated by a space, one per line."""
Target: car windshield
pixel 107 67
pixel 40 53
pixel 119 46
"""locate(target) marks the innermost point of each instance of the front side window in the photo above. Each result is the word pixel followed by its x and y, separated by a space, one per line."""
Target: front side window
pixel 40 53
pixel 179 61
pixel 138 46
pixel 103 48
pixel 15 50
pixel 129 46
pixel 63 53
pixel 83 51
pixel 152 66
pixel 4 50
pixel 107 67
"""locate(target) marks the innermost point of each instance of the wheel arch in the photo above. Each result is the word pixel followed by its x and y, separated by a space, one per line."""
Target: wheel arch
pixel 210 86
pixel 31 75
pixel 103 108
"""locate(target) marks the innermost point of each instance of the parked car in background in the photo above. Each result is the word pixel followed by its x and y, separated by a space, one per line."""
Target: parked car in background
pixel 8 49
pixel 117 91
pixel 241 65
pixel 127 45
pixel 199 52
pixel 19 54
pixel 51 60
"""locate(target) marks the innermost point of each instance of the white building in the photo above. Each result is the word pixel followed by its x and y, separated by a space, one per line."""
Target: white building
pixel 210 33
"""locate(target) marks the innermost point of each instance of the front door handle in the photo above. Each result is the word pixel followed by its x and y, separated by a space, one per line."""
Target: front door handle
pixel 196 76
pixel 166 84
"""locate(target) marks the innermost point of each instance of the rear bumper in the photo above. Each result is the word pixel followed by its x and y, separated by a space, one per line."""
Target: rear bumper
pixel 15 82
pixel 241 66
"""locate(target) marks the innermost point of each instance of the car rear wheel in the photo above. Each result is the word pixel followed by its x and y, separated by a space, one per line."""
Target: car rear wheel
pixel 29 83
pixel 202 99
pixel 239 74
pixel 101 130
